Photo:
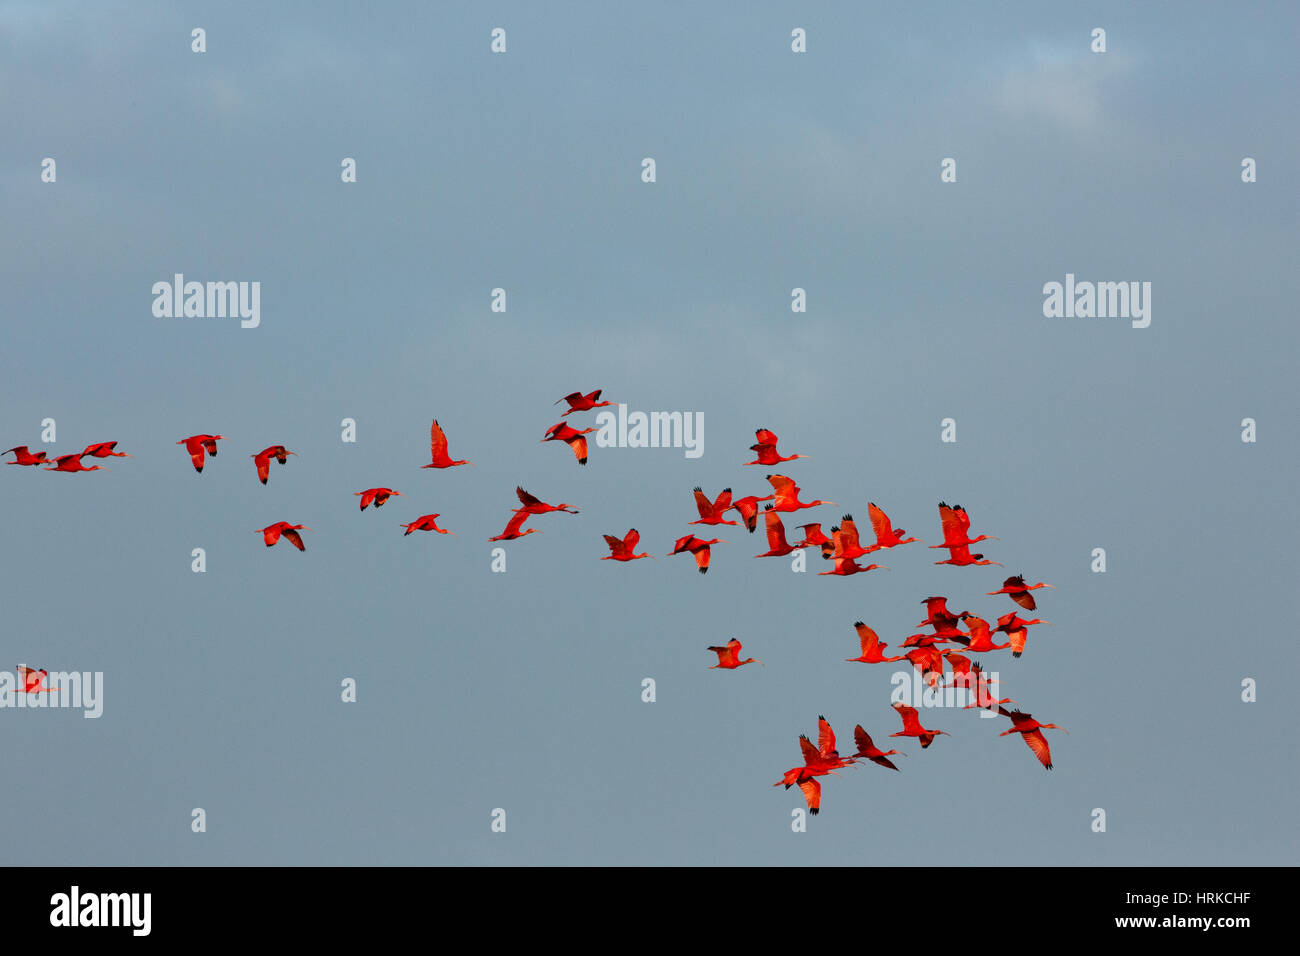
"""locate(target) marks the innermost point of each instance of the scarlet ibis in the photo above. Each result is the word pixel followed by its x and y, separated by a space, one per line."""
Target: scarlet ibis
pixel 961 557
pixel 777 546
pixel 748 509
pixel 624 550
pixel 805 778
pixel 104 449
pixel 956 525
pixel 32 680
pixel 426 523
pixel 937 613
pixel 697 547
pixel 1017 631
pixel 886 535
pixel 197 444
pixel 73 463
pixel 575 439
pixel 536 506
pixel 929 661
pixel 981 639
pixel 981 688
pixel 711 512
pixel 827 755
pixel 1016 588
pixel 517 519
pixel 24 457
pixel 927 640
pixel 438 449
pixel 912 726
pixel 377 495
pixel 1031 731
pixel 582 403
pixel 844 538
pixel 873 753
pixel 961 668
pixel 846 566
pixel 873 648
pixel 263 460
pixel 813 538
pixel 765 450
pixel 729 656
pixel 272 533
pixel 787 495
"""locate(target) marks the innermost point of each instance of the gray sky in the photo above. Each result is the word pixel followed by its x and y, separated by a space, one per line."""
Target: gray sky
pixel 775 170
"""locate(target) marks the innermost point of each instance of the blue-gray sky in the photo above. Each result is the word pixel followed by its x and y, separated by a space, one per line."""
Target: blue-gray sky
pixel 775 170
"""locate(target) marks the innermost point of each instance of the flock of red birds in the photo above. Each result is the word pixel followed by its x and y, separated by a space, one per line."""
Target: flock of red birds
pixel 843 547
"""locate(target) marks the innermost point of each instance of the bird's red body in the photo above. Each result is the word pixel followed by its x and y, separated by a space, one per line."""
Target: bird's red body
pixel 847 566
pixel 873 648
pixel 263 460
pixel 576 440
pixel 104 449
pixel 765 452
pixel 582 403
pixel 1016 588
pixel 747 507
pixel 426 523
pixel 196 445
pixel 777 545
pixel 1031 731
pixel 696 546
pixel 377 496
pixel 887 536
pixel 536 506
pixel 729 656
pixel 272 533
pixel 23 456
pixel 1017 631
pixel 871 752
pixel 912 726
pixel 438 449
pixel 625 549
pixel 711 512
pixel 72 463
pixel 513 527
pixel 787 495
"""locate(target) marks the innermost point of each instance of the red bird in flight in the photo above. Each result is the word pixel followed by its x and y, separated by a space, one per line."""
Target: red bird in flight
pixel 777 546
pixel 426 523
pixel 870 751
pixel 711 512
pixel 1031 731
pixel 438 449
pixel 1017 631
pixel 847 566
pixel 582 403
pixel 787 495
pixel 696 546
pixel 377 495
pixel 624 550
pixel 886 535
pixel 912 726
pixel 536 506
pixel 72 463
pixel 576 440
pixel 32 679
pixel 104 449
pixel 747 508
pixel 729 656
pixel 22 456
pixel 263 460
pixel 873 648
pixel 1016 588
pixel 517 519
pixel 765 451
pixel 272 533
pixel 197 444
